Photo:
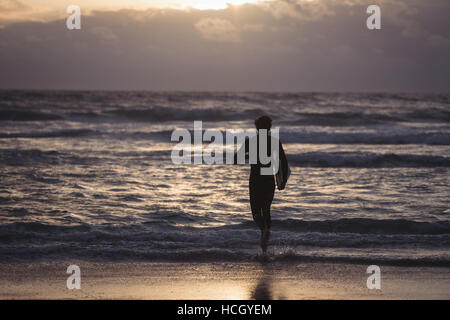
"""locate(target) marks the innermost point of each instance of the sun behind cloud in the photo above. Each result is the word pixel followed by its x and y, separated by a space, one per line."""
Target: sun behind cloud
pixel 45 10
pixel 219 4
pixel 213 4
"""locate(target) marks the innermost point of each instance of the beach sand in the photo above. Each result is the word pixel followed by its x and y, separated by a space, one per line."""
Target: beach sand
pixel 219 280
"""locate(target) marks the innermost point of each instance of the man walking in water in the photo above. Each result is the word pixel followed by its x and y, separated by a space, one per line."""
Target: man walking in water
pixel 262 186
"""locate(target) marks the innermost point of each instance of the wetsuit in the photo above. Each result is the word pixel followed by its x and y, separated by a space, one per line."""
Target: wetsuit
pixel 262 189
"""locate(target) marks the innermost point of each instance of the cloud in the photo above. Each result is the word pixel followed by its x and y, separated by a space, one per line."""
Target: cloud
pixel 104 33
pixel 220 30
pixel 437 40
pixel 10 8
pixel 300 9
pixel 285 45
pixel 253 27
pixel 12 5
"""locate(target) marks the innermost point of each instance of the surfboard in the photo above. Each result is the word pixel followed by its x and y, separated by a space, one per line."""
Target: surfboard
pixel 284 171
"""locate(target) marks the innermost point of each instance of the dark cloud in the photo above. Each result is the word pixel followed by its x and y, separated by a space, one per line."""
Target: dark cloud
pixel 285 45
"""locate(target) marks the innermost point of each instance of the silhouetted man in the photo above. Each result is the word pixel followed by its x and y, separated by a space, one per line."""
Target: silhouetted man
pixel 262 186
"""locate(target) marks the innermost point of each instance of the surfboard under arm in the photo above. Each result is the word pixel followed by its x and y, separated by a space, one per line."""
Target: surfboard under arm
pixel 284 171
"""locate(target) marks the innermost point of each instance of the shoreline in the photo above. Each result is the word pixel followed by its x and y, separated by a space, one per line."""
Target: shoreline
pixel 219 280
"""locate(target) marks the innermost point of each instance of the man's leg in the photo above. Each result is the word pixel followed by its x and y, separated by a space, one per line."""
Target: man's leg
pixel 255 205
pixel 261 197
pixel 268 198
pixel 265 235
pixel 259 220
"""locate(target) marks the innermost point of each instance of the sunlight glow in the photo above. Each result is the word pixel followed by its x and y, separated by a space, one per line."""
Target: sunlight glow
pixel 45 10
pixel 215 4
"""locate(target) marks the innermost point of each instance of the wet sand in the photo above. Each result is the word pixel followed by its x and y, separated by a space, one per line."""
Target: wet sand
pixel 144 280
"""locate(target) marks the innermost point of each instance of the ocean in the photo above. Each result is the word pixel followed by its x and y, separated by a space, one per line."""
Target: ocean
pixel 87 175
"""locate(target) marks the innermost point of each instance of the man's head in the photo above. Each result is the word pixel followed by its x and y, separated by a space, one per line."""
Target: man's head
pixel 263 122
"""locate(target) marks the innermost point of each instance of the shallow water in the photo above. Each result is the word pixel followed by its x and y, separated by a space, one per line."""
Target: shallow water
pixel 89 175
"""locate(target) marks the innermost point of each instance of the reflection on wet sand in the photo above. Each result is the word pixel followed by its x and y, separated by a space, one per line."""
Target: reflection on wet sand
pixel 263 288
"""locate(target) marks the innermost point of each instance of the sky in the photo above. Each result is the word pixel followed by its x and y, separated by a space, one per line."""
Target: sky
pixel 234 45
